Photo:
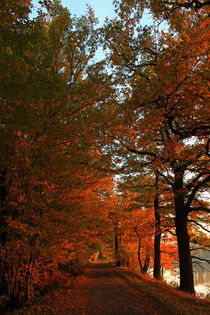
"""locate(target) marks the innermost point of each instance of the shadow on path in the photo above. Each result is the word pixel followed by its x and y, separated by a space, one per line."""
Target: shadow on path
pixel 98 292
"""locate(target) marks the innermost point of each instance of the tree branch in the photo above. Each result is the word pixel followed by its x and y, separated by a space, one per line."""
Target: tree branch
pixel 140 152
pixel 202 259
pixel 194 191
pixel 192 221
pixel 191 209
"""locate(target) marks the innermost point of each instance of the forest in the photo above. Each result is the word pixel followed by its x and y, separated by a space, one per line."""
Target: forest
pixel 102 157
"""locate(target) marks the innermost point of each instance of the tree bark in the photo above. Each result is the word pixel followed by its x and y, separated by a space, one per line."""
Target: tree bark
pixel 183 239
pixel 139 254
pixel 185 259
pixel 157 240
pixel 144 268
pixel 157 257
pixel 28 289
pixel 146 262
pixel 118 263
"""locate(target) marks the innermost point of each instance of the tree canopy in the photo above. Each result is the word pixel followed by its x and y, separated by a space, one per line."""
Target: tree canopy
pixel 108 156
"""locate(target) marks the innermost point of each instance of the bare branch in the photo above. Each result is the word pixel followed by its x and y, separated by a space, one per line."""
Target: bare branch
pixel 202 259
pixel 192 221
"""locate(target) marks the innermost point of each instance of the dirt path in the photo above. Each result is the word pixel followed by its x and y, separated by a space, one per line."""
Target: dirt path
pixel 99 291
pixel 108 294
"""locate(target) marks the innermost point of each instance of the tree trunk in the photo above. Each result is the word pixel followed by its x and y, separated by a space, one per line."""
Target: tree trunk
pixel 157 257
pixel 146 262
pixel 185 259
pixel 157 240
pixel 28 288
pixel 144 268
pixel 183 239
pixel 139 254
pixel 118 263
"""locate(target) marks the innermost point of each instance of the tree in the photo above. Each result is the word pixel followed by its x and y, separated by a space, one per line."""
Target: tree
pixel 163 113
pixel 49 84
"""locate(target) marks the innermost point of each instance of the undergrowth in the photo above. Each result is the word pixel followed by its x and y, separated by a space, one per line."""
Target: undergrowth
pixel 176 302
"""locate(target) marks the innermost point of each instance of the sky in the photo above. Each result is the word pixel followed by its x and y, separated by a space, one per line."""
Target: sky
pixel 102 8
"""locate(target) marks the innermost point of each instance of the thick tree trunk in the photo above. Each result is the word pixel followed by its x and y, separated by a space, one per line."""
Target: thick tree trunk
pixel 157 240
pixel 183 239
pixel 157 257
pixel 185 259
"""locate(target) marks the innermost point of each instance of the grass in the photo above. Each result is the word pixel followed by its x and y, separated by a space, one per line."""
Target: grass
pixel 175 302
pixel 57 298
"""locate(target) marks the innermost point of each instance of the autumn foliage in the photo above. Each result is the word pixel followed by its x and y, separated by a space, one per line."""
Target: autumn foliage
pixel 81 148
